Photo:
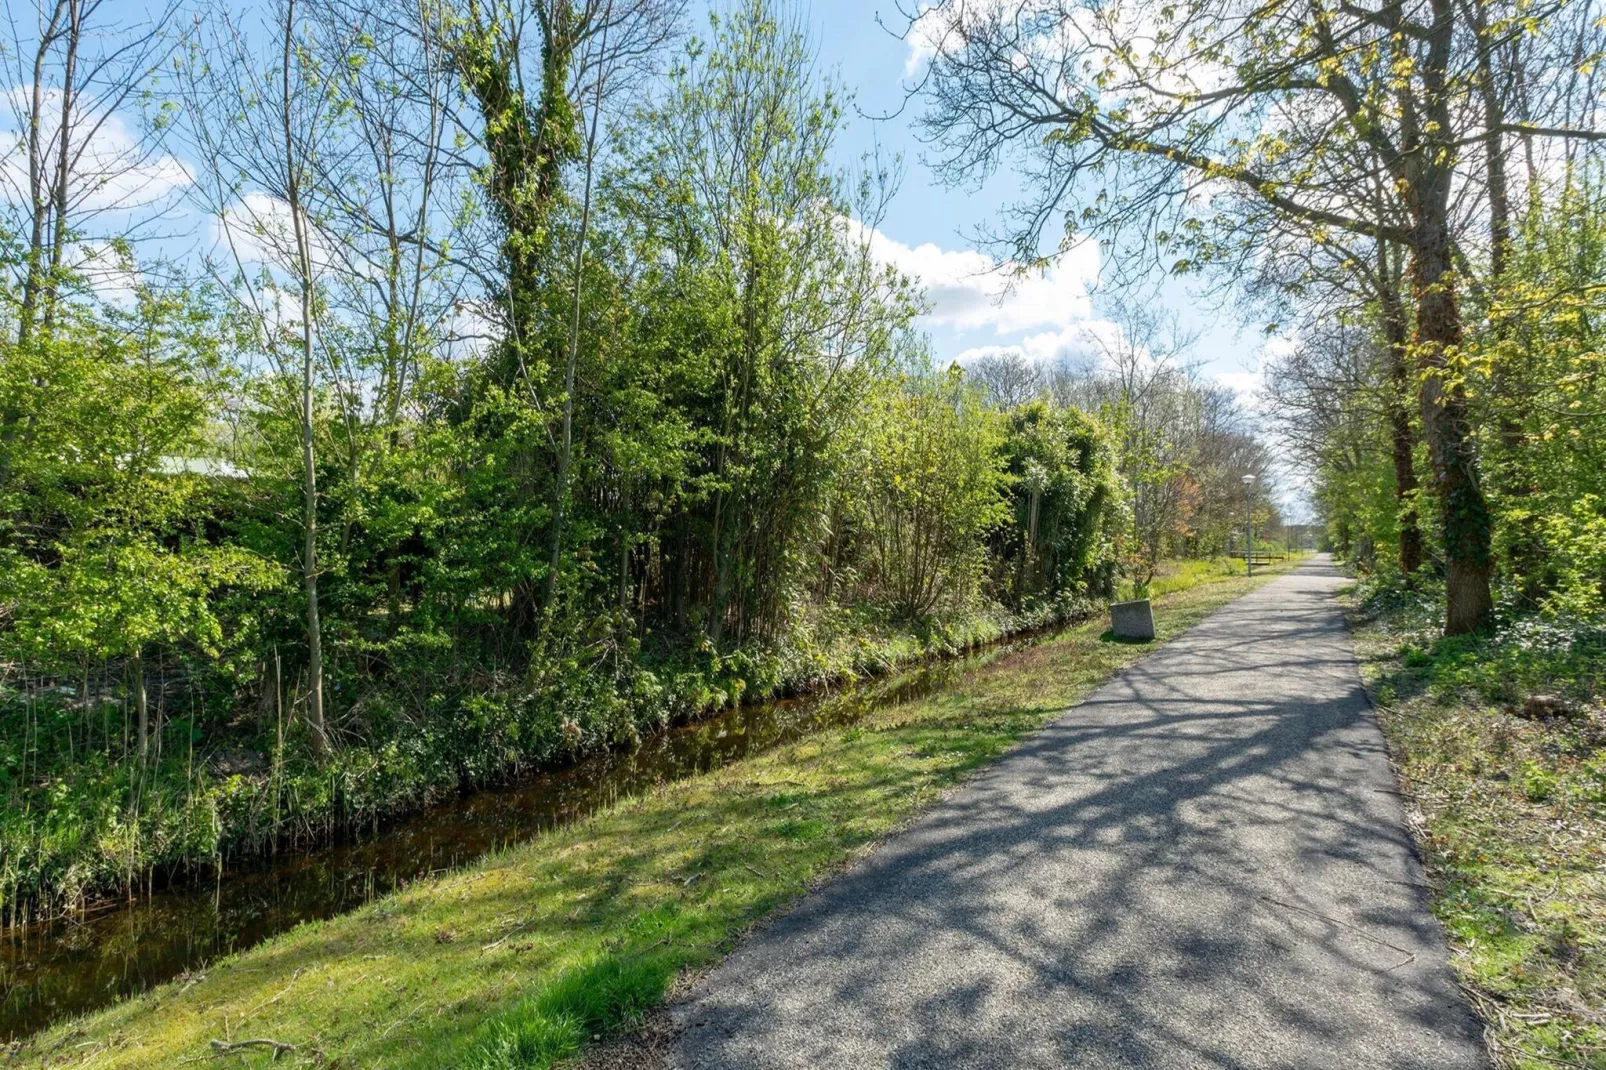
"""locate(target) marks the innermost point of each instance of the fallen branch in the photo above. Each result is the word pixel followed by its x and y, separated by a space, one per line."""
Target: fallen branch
pixel 225 1047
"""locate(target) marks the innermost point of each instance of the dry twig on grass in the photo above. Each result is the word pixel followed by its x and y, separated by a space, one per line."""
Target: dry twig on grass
pixel 227 1047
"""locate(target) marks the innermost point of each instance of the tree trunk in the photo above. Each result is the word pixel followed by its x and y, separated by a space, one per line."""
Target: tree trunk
pixel 58 237
pixel 1467 524
pixel 35 278
pixel 309 467
pixel 141 707
pixel 1463 509
pixel 566 443
pixel 309 553
pixel 40 208
pixel 1401 434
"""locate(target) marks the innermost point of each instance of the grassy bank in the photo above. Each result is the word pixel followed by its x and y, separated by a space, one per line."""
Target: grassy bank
pixel 1512 799
pixel 523 958
pixel 83 815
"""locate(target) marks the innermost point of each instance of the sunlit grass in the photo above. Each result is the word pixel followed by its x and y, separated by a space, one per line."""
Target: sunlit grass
pixel 520 960
pixel 1514 820
pixel 1182 574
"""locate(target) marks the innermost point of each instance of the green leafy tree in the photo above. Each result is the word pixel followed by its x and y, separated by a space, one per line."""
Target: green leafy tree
pixel 933 490
pixel 1066 503
pixel 113 560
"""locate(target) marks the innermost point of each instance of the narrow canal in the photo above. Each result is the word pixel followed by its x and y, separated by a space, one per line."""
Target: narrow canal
pixel 88 961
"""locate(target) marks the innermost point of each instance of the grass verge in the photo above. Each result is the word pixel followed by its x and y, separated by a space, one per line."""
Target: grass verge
pixel 525 958
pixel 1512 813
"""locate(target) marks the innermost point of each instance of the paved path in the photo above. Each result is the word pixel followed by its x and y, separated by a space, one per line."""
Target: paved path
pixel 1200 866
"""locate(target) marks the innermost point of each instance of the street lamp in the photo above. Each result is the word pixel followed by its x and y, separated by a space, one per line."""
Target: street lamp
pixel 1249 526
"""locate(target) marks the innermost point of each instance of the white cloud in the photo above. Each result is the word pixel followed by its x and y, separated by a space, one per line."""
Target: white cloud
pixel 1280 345
pixel 1079 340
pixel 1249 379
pixel 969 290
pixel 258 230
pixel 115 170
pixel 1245 383
pixel 110 274
pixel 924 37
pixel 938 27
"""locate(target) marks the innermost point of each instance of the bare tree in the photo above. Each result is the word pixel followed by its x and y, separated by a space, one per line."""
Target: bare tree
pixel 387 199
pixel 387 187
pixel 79 181
pixel 256 129
pixel 1010 378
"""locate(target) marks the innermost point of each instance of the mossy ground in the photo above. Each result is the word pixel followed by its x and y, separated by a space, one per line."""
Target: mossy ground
pixel 525 958
pixel 1512 819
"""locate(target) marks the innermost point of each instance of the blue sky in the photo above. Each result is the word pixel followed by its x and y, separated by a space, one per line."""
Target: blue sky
pixel 929 228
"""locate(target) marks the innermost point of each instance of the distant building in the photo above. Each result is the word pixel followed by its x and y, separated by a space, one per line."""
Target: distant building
pixel 214 467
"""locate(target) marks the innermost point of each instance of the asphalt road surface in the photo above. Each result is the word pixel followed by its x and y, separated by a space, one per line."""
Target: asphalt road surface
pixel 1202 865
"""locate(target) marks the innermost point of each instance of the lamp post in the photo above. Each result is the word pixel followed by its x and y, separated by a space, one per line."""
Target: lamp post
pixel 1249 525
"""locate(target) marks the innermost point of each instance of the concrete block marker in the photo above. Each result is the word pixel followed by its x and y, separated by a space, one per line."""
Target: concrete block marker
pixel 1132 620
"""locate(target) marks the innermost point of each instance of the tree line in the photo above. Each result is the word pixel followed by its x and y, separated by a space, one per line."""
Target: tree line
pixel 1410 187
pixel 1182 443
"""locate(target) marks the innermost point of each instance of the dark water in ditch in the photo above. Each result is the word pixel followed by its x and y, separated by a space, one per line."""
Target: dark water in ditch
pixel 86 962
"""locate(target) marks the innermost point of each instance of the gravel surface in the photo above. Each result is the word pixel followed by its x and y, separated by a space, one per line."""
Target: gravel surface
pixel 1205 864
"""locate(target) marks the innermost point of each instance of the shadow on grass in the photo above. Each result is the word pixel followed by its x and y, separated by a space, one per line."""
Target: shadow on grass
pixel 1124 640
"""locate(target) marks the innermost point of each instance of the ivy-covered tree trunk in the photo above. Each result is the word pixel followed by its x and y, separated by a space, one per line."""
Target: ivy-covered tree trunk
pixel 527 155
pixel 527 152
pixel 1464 510
pixel 1430 167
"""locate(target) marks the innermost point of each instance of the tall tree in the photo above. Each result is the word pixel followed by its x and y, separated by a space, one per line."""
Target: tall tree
pixel 257 128
pixel 1320 275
